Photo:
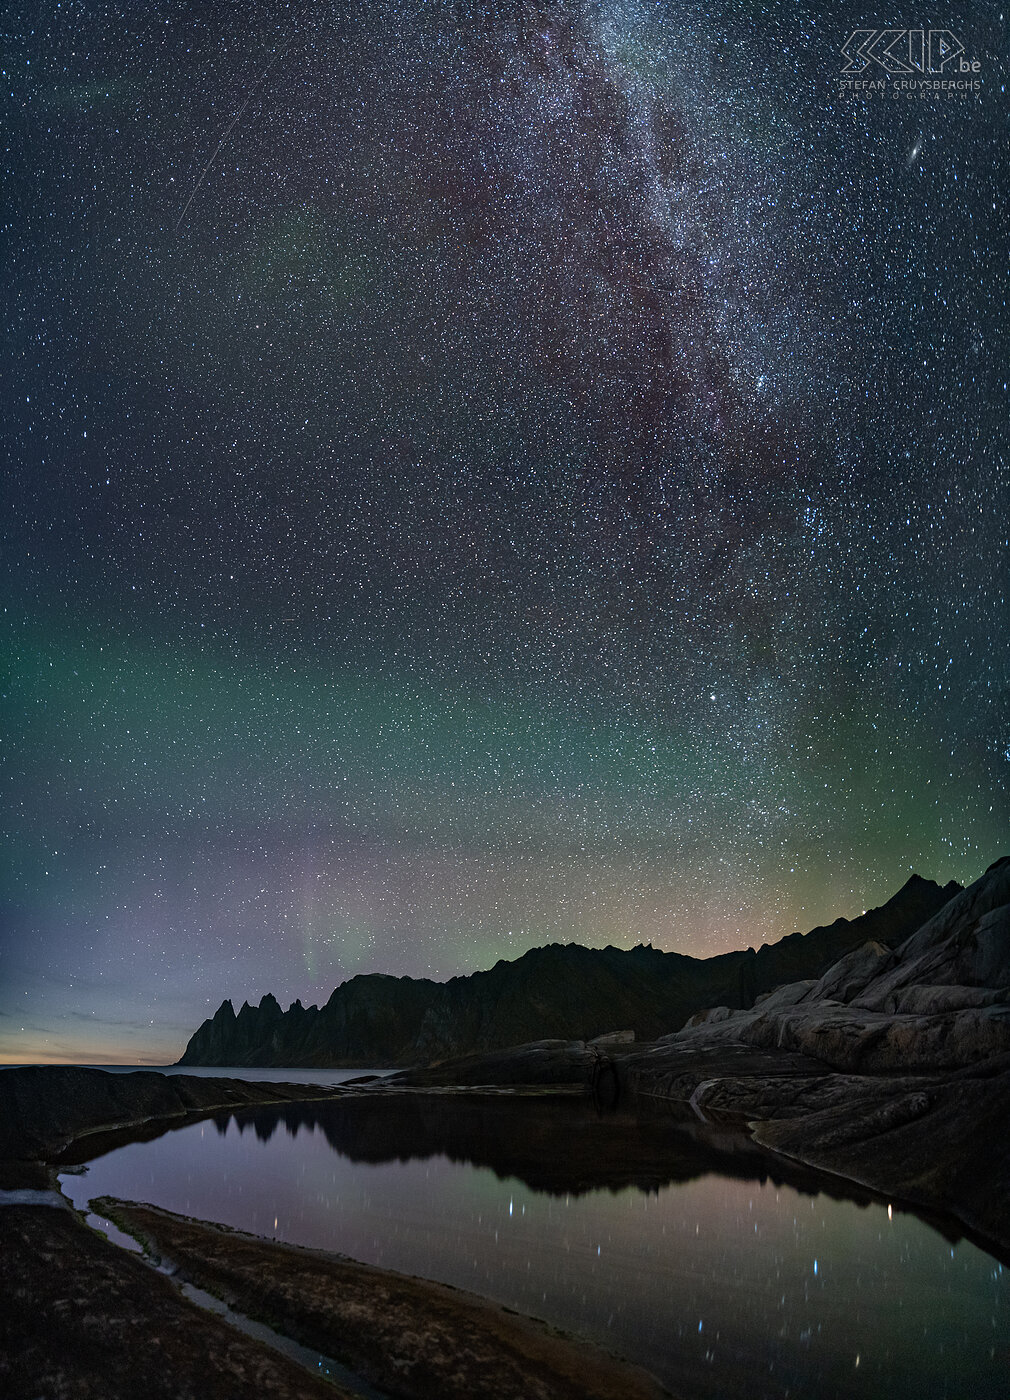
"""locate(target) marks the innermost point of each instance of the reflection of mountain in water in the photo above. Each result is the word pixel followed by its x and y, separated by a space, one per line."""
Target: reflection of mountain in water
pixel 557 1146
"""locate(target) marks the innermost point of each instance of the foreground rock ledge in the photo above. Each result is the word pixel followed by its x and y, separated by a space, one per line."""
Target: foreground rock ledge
pixel 81 1319
pixel 409 1337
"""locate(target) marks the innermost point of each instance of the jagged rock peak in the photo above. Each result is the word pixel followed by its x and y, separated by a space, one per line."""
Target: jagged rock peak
pixel 937 1000
pixel 561 991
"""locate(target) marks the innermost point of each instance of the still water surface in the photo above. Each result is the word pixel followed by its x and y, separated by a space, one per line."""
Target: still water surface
pixel 672 1248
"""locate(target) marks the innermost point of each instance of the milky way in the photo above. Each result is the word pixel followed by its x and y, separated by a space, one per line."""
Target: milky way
pixel 486 475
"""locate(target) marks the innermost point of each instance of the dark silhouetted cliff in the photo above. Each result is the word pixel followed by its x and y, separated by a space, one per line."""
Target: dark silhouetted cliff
pixel 563 991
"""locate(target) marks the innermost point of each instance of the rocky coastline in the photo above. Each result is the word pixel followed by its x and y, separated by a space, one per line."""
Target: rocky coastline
pixel 890 1071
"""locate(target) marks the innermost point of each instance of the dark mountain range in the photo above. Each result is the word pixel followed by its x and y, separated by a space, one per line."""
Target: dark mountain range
pixel 561 991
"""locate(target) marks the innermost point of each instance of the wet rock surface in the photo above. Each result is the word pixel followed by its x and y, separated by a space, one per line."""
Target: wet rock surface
pixel 411 1338
pixel 82 1320
pixel 941 1143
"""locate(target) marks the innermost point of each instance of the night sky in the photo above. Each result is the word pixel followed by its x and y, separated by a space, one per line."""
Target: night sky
pixel 483 476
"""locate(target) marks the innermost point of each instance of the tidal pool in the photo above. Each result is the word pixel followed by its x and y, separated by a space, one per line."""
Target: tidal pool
pixel 726 1273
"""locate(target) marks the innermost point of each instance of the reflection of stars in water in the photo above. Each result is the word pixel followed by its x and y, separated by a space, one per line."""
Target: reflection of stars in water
pixel 698 1270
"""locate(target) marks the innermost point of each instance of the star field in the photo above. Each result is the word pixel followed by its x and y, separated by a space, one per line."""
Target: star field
pixel 485 475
